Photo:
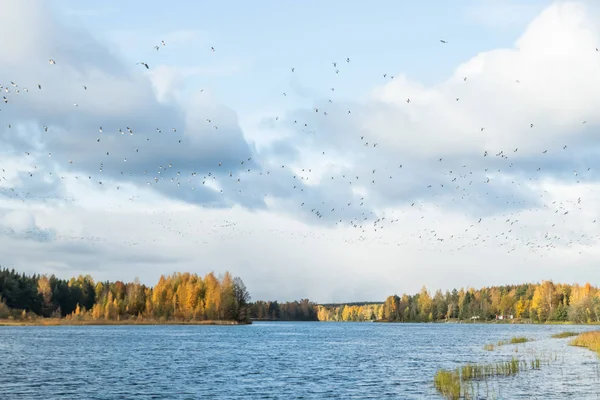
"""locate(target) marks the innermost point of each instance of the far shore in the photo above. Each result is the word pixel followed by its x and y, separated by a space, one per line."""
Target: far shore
pixel 102 322
pixel 450 321
pixel 488 322
pixel 70 322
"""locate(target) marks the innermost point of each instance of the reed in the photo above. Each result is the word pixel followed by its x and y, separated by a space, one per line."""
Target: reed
pixel 563 335
pixel 457 383
pixel 518 339
pixel 448 383
pixel 513 340
pixel 591 340
pixel 489 347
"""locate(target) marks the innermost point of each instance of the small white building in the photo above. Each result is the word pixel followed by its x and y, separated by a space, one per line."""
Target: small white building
pixel 502 317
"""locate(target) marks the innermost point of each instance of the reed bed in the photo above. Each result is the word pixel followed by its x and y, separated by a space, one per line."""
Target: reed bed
pixel 591 340
pixel 563 335
pixel 448 383
pixel 518 339
pixel 514 340
pixel 454 384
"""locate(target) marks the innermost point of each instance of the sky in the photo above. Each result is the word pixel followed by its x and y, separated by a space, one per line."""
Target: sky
pixel 336 151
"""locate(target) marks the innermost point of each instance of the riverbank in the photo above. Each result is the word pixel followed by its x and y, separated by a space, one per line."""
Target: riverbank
pixel 488 322
pixel 71 322
pixel 590 340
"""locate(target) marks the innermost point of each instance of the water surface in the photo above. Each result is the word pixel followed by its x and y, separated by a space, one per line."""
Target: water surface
pixel 279 360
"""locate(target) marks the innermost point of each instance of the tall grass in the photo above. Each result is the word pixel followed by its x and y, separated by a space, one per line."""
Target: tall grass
pixel 513 340
pixel 591 340
pixel 563 335
pixel 518 339
pixel 448 383
pixel 454 384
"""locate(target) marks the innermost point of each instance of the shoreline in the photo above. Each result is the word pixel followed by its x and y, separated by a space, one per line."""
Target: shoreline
pixel 66 322
pixel 480 322
pixel 490 322
pixel 125 322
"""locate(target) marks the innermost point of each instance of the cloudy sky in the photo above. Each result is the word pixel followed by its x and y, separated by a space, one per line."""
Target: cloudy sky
pixel 337 151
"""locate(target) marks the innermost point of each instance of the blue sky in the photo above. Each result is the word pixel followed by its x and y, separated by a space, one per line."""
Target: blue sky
pixel 260 43
pixel 468 184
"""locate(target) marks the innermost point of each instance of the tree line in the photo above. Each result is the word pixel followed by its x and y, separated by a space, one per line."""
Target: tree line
pixel 180 296
pixel 303 310
pixel 189 297
pixel 543 302
pixel 535 302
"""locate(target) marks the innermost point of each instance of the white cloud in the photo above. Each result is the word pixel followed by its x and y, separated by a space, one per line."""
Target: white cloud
pixel 337 207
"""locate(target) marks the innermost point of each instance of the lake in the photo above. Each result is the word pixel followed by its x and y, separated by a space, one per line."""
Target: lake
pixel 281 360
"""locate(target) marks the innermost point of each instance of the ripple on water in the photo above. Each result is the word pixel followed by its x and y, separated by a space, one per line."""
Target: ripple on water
pixel 280 361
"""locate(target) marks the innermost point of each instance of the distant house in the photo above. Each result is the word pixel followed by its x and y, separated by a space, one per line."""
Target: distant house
pixel 502 317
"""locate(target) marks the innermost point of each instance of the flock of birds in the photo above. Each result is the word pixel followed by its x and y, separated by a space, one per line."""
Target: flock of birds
pixel 349 202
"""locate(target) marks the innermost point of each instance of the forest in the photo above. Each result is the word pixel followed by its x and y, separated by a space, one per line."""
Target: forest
pixel 303 310
pixel 542 302
pixel 177 297
pixel 190 297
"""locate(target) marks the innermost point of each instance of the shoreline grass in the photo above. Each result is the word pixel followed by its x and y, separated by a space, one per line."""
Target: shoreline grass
pixel 513 340
pixel 70 322
pixel 590 340
pixel 518 339
pixel 454 384
pixel 563 335
pixel 468 380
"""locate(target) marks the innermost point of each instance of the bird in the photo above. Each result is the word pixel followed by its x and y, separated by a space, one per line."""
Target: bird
pixel 443 41
pixel 51 61
pixel 144 64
